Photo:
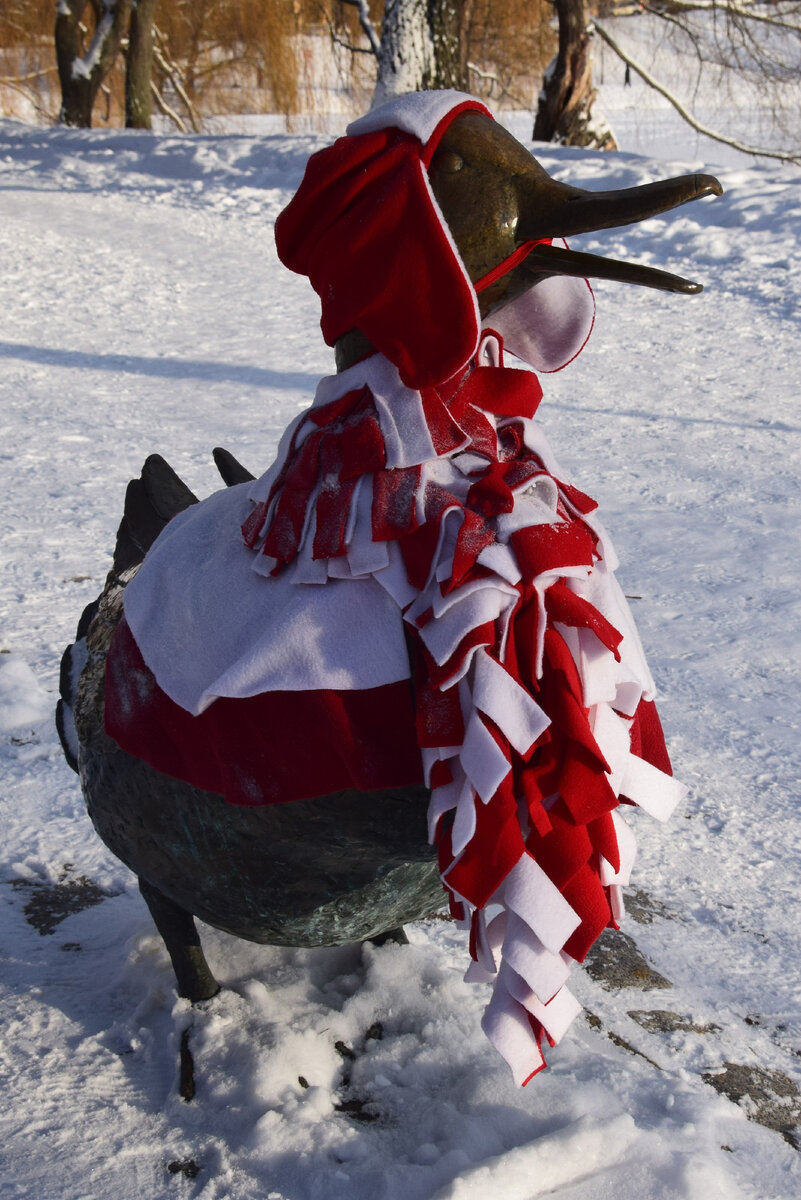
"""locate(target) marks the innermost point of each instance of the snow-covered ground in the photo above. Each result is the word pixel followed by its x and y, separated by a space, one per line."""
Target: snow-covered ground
pixel 143 309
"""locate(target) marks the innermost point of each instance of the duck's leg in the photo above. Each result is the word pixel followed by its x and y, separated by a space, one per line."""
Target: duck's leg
pixel 177 928
pixel 398 935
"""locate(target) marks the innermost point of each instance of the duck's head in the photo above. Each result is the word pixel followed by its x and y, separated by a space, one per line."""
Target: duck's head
pixel 500 203
pixel 430 217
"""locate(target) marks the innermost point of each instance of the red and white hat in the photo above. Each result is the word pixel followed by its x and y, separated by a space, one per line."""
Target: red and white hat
pixel 547 326
pixel 365 227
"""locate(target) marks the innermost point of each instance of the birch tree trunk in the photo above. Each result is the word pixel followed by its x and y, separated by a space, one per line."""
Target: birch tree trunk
pixel 81 73
pixel 564 111
pixel 423 45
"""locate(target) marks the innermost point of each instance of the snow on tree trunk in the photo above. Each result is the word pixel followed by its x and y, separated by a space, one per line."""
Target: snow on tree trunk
pixel 422 46
pixel 407 50
pixel 564 111
pixel 139 65
pixel 81 74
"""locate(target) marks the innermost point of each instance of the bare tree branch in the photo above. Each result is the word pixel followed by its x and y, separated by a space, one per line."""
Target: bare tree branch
pixel 491 77
pixel 173 72
pixel 165 109
pixel 31 75
pixel 30 95
pixel 782 155
pixel 689 33
pixel 338 40
pixel 367 26
pixel 727 9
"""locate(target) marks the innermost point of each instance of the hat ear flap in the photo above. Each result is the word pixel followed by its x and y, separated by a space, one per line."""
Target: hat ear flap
pixel 549 324
pixel 366 229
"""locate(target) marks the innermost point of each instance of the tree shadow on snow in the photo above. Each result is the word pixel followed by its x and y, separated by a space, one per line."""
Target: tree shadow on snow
pixel 161 368
pixel 647 416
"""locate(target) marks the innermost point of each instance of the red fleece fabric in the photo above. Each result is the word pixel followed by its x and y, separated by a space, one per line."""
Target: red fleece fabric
pixel 365 228
pixel 270 749
pixel 284 746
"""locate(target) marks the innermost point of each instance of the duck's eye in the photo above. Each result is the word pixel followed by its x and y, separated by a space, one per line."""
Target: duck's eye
pixel 448 161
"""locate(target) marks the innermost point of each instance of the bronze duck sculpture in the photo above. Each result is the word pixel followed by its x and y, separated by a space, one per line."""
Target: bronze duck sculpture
pixel 355 862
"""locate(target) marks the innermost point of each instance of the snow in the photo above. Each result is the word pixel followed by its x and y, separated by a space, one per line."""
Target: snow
pixel 144 310
pixel 82 68
pixel 23 700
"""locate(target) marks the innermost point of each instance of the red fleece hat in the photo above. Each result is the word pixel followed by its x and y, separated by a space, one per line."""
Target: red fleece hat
pixel 364 226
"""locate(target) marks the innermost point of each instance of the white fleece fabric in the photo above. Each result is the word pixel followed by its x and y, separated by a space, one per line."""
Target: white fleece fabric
pixel 208 625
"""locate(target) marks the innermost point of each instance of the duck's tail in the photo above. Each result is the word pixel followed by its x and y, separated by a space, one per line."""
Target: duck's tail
pixel 151 501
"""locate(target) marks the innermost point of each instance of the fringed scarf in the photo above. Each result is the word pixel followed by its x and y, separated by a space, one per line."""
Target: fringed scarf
pixel 528 674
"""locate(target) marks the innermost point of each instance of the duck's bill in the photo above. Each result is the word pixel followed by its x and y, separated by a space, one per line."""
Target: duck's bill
pixel 544 260
pixel 555 209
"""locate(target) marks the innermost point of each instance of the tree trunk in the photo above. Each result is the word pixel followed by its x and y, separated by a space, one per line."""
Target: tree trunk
pixel 77 98
pixel 564 111
pixel 448 21
pixel 81 74
pixel 423 45
pixel 139 66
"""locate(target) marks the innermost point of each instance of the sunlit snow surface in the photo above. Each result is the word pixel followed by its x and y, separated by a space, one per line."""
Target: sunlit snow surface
pixel 143 309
